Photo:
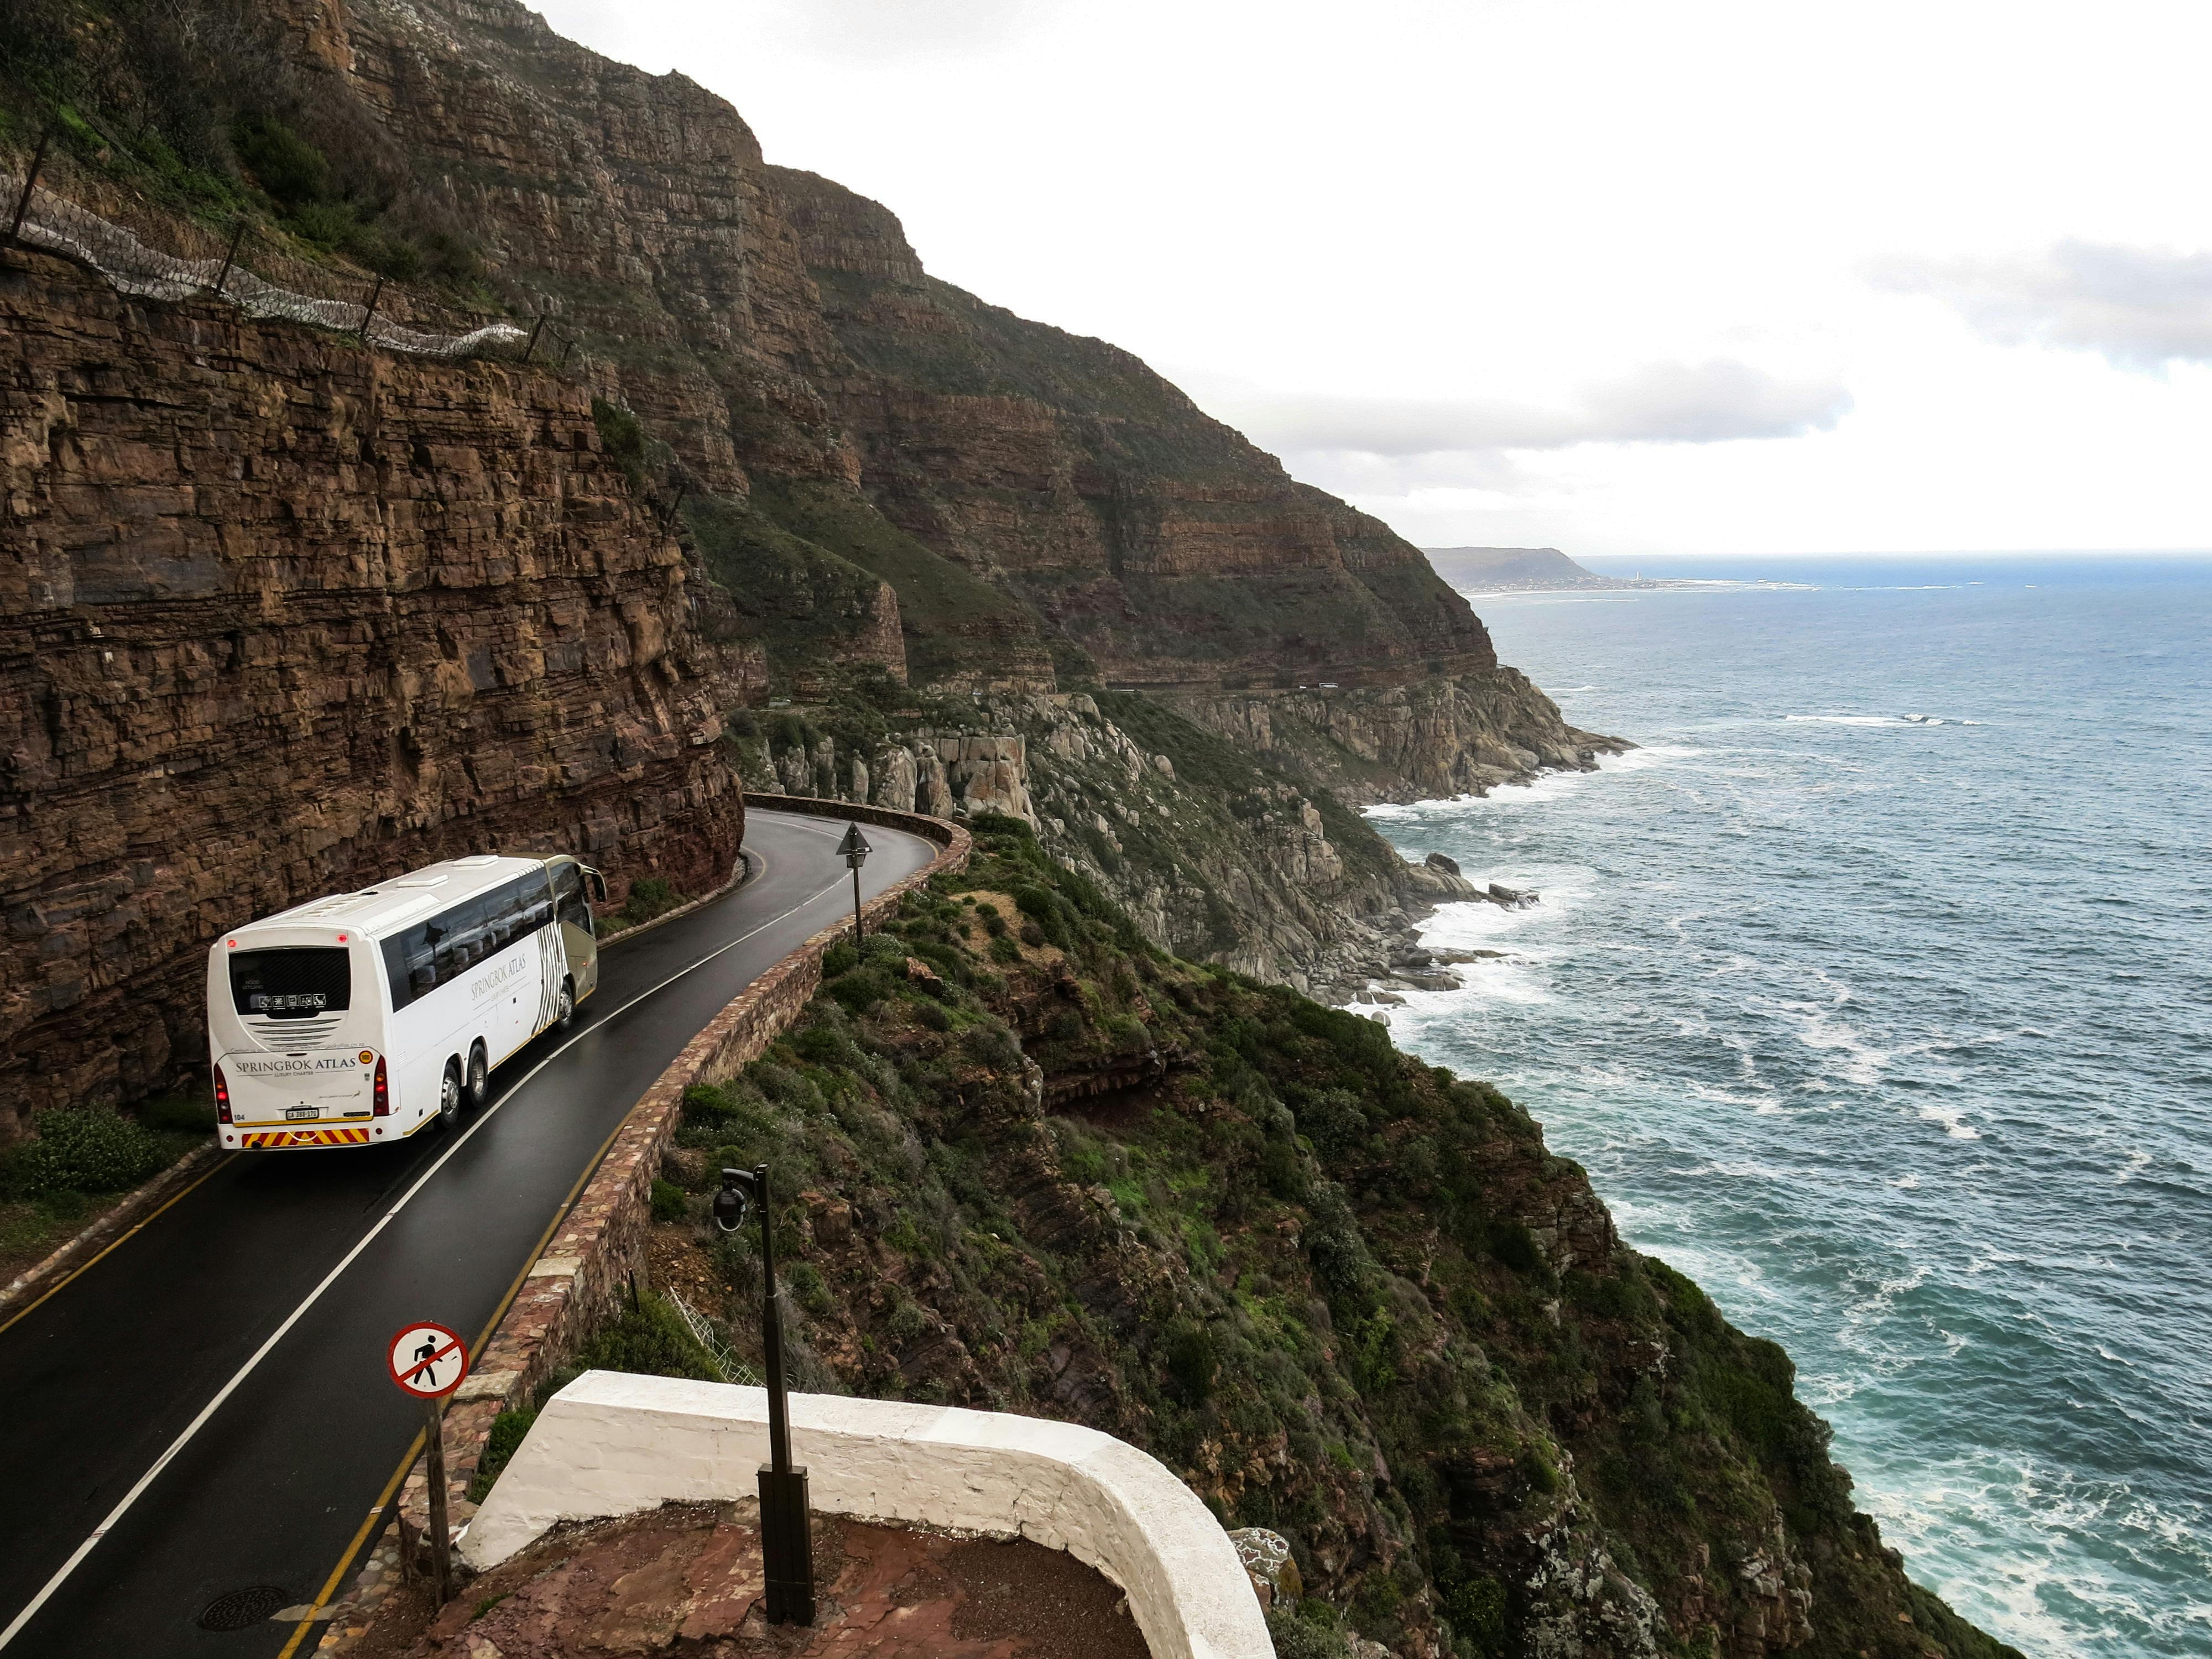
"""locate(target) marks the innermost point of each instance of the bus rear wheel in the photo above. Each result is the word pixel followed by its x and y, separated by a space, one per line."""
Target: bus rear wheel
pixel 449 1096
pixel 564 1011
pixel 479 1076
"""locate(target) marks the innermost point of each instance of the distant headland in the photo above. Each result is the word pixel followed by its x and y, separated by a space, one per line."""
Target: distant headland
pixel 1529 570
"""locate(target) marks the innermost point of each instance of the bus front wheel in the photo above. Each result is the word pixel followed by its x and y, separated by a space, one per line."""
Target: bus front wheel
pixel 479 1076
pixel 449 1096
pixel 564 1011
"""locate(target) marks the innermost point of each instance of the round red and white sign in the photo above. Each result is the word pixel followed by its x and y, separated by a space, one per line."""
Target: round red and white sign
pixel 428 1360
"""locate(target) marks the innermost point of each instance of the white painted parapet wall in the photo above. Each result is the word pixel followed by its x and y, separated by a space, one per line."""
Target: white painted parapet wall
pixel 611 1444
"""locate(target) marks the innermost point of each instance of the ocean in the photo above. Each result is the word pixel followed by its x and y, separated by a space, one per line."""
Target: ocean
pixel 1874 992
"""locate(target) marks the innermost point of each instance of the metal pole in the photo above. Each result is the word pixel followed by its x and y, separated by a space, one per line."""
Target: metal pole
pixel 433 1429
pixel 535 329
pixel 30 183
pixel 374 294
pixel 856 904
pixel 229 259
pixel 779 1424
pixel 787 1532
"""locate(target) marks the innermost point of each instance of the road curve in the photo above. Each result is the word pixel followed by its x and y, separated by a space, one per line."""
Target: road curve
pixel 295 1268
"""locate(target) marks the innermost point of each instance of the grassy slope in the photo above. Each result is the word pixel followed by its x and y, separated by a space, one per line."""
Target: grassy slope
pixel 1329 1285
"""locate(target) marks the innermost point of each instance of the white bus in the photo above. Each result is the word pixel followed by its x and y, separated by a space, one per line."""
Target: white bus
pixel 358 1019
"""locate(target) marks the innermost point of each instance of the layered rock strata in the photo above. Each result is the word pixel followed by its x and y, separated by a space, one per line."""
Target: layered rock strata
pixel 280 616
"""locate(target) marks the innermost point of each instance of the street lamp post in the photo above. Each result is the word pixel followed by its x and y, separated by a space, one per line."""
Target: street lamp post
pixel 786 1531
pixel 855 850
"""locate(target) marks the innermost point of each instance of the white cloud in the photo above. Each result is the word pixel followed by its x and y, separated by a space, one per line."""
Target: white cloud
pixel 1433 223
pixel 1712 401
pixel 2139 308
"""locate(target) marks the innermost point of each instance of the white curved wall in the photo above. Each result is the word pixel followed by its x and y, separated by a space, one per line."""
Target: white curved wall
pixel 611 1444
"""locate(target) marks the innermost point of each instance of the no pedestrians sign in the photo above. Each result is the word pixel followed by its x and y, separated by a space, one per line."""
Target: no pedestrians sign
pixel 428 1360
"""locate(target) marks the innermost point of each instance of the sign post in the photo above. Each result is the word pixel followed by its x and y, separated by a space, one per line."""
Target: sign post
pixel 429 1361
pixel 855 850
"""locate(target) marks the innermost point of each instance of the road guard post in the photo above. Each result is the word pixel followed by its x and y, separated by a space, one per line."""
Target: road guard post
pixel 429 1361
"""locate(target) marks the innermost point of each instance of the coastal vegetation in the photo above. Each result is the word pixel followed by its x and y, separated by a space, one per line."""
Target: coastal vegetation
pixel 1031 1162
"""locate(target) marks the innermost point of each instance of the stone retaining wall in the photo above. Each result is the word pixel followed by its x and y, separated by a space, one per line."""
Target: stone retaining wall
pixel 599 1245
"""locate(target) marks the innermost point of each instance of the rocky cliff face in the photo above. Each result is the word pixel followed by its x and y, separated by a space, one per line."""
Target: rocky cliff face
pixel 1157 540
pixel 1420 739
pixel 279 616
pixel 1042 505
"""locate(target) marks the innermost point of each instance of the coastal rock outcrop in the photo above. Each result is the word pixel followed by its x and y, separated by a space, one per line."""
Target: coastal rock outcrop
pixel 1214 855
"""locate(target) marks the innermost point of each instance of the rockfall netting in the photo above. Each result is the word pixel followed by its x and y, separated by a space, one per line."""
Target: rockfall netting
pixel 145 251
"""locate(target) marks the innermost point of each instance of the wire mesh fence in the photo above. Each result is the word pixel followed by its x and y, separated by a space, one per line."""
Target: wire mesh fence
pixel 157 253
pixel 709 1336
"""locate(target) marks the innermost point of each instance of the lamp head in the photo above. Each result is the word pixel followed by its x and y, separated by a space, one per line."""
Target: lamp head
pixel 734 1202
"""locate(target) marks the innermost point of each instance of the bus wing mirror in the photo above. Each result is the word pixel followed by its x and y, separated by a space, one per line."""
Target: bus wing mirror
pixel 599 883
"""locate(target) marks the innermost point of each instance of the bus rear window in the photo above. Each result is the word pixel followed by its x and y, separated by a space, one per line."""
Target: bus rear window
pixel 293 984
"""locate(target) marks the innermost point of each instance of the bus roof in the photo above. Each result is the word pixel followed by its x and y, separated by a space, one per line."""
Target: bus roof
pixel 374 911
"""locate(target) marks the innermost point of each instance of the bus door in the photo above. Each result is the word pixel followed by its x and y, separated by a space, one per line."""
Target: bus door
pixel 574 910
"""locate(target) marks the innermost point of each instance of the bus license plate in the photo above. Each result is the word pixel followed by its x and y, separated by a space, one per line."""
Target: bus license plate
pixel 302 1111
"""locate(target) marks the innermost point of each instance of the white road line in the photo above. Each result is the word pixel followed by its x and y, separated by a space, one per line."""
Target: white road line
pixel 314 1296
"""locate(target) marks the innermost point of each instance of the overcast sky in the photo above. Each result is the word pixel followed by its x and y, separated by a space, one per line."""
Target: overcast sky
pixel 1616 277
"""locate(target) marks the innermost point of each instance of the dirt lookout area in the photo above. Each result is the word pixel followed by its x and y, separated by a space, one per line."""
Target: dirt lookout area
pixel 686 1579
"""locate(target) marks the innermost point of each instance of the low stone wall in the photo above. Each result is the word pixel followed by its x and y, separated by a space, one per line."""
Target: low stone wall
pixel 599 1245
pixel 610 1444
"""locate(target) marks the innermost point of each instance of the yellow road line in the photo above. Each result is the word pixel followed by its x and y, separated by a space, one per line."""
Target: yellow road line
pixel 484 1337
pixel 114 1244
pixel 361 1537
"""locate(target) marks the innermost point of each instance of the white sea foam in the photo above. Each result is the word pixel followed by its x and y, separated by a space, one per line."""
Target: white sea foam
pixel 1953 1119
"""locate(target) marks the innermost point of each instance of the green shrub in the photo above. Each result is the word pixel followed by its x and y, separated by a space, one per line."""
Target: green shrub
pixel 1515 1246
pixel 886 951
pixel 1302 1638
pixel 1000 823
pixel 179 1114
pixel 650 897
pixel 1053 915
pixel 650 1339
pixel 291 170
pixel 1005 949
pixel 508 1429
pixel 1332 1120
pixel 669 1201
pixel 622 440
pixel 1476 1609
pixel 839 958
pixel 863 989
pixel 1191 1360
pixel 83 1150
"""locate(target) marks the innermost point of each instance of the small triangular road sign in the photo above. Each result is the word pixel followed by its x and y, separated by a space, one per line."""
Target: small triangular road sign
pixel 855 845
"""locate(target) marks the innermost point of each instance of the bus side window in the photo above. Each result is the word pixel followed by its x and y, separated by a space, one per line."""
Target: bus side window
pixel 452 937
pixel 409 966
pixel 536 901
pixel 569 884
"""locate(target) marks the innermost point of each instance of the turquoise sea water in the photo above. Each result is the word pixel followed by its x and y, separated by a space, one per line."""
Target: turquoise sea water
pixel 1896 1033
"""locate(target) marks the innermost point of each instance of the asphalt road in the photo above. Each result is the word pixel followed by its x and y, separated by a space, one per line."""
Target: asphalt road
pixel 281 1276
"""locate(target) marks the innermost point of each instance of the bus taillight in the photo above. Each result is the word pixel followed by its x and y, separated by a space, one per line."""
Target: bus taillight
pixel 221 1098
pixel 383 1090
